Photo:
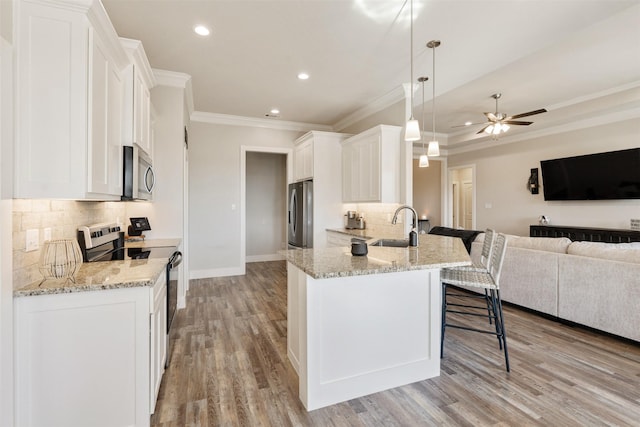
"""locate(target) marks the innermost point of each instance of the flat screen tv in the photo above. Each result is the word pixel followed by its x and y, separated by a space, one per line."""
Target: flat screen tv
pixel 602 176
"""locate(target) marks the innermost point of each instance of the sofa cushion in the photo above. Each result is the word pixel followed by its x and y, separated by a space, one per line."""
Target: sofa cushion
pixel 599 293
pixel 548 244
pixel 528 278
pixel 624 252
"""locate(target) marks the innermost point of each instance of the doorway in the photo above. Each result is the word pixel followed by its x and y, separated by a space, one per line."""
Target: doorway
pixel 266 206
pixel 260 239
pixel 461 195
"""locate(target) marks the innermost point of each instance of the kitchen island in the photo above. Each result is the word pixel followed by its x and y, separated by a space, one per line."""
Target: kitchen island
pixel 357 325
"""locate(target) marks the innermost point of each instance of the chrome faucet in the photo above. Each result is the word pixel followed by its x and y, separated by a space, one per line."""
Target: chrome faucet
pixel 413 235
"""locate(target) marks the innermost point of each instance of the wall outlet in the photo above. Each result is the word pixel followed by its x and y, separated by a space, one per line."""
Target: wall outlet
pixel 32 244
pixel 635 224
pixel 47 234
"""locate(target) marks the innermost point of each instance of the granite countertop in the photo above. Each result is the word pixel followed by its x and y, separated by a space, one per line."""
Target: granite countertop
pixel 152 243
pixel 356 232
pixel 433 252
pixel 95 276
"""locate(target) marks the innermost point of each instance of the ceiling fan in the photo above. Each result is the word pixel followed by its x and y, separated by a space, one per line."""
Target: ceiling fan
pixel 500 122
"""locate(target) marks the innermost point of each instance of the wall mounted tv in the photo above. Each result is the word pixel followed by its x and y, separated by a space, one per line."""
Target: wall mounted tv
pixel 602 176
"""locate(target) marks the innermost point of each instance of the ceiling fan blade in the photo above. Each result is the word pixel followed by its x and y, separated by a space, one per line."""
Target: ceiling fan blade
pixel 491 116
pixel 482 130
pixel 530 113
pixel 516 122
pixel 471 124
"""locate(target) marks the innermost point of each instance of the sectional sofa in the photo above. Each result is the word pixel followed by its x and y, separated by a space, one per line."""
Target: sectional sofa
pixel 593 284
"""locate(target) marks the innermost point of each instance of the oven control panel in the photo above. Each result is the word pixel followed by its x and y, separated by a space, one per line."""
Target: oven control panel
pixel 98 234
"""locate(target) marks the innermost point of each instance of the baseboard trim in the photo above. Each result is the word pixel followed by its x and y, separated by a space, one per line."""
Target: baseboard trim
pixel 266 257
pixel 216 272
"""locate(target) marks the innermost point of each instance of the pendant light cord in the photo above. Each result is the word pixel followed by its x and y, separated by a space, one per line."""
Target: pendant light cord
pixel 421 136
pixel 422 79
pixel 433 95
pixel 411 58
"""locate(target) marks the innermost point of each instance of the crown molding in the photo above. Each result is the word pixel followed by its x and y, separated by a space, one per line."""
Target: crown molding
pixel 171 78
pixel 595 95
pixel 605 119
pixel 75 5
pixel 378 104
pixel 97 16
pixel 227 119
pixel 178 80
pixel 138 56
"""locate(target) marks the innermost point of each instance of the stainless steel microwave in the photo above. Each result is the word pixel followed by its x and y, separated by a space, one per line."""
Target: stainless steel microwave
pixel 138 177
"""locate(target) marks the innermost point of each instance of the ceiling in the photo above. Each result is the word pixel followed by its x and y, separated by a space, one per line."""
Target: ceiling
pixel 578 59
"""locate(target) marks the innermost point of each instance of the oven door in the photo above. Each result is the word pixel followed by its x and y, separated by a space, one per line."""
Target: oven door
pixel 173 272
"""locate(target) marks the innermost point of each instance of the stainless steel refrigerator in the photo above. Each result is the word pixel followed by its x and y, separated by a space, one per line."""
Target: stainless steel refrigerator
pixel 300 215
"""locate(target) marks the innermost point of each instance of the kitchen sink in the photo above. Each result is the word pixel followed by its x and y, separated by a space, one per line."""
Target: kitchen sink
pixel 394 243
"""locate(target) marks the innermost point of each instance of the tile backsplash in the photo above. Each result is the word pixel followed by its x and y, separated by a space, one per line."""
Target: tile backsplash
pixel 378 217
pixel 63 217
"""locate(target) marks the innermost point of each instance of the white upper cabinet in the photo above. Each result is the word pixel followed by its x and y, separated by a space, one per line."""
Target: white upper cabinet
pixel 105 121
pixel 371 166
pixel 68 106
pixel 138 81
pixel 303 159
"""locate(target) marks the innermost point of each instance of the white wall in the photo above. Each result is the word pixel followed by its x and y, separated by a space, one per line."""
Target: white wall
pixel 6 226
pixel 427 189
pixel 166 212
pixel 502 173
pixel 266 195
pixel 6 20
pixel 214 192
pixel 392 115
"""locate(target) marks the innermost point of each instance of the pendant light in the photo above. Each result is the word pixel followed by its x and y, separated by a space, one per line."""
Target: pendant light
pixel 434 147
pixel 424 159
pixel 412 129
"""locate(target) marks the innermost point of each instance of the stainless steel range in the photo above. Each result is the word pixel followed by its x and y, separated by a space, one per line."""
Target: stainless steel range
pixel 105 242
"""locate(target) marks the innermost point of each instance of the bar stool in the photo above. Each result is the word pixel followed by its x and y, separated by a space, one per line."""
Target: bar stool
pixel 489 280
pixel 482 265
pixel 485 254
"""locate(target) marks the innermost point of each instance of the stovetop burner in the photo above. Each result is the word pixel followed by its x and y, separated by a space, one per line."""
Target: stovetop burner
pixel 120 254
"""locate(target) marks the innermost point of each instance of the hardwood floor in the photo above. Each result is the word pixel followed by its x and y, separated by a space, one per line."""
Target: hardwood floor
pixel 229 367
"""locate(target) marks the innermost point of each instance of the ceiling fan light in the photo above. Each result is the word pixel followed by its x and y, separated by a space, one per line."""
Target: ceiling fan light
pixel 424 161
pixel 489 129
pixel 412 130
pixel 505 127
pixel 434 149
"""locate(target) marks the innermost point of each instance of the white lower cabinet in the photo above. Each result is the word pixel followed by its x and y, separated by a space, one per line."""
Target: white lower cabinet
pixel 90 358
pixel 158 340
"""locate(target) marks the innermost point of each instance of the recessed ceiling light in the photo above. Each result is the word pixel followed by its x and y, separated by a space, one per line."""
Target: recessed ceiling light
pixel 303 76
pixel 468 123
pixel 275 111
pixel 201 30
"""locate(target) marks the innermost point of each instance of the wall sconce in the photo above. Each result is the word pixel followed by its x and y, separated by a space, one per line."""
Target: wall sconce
pixel 532 184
